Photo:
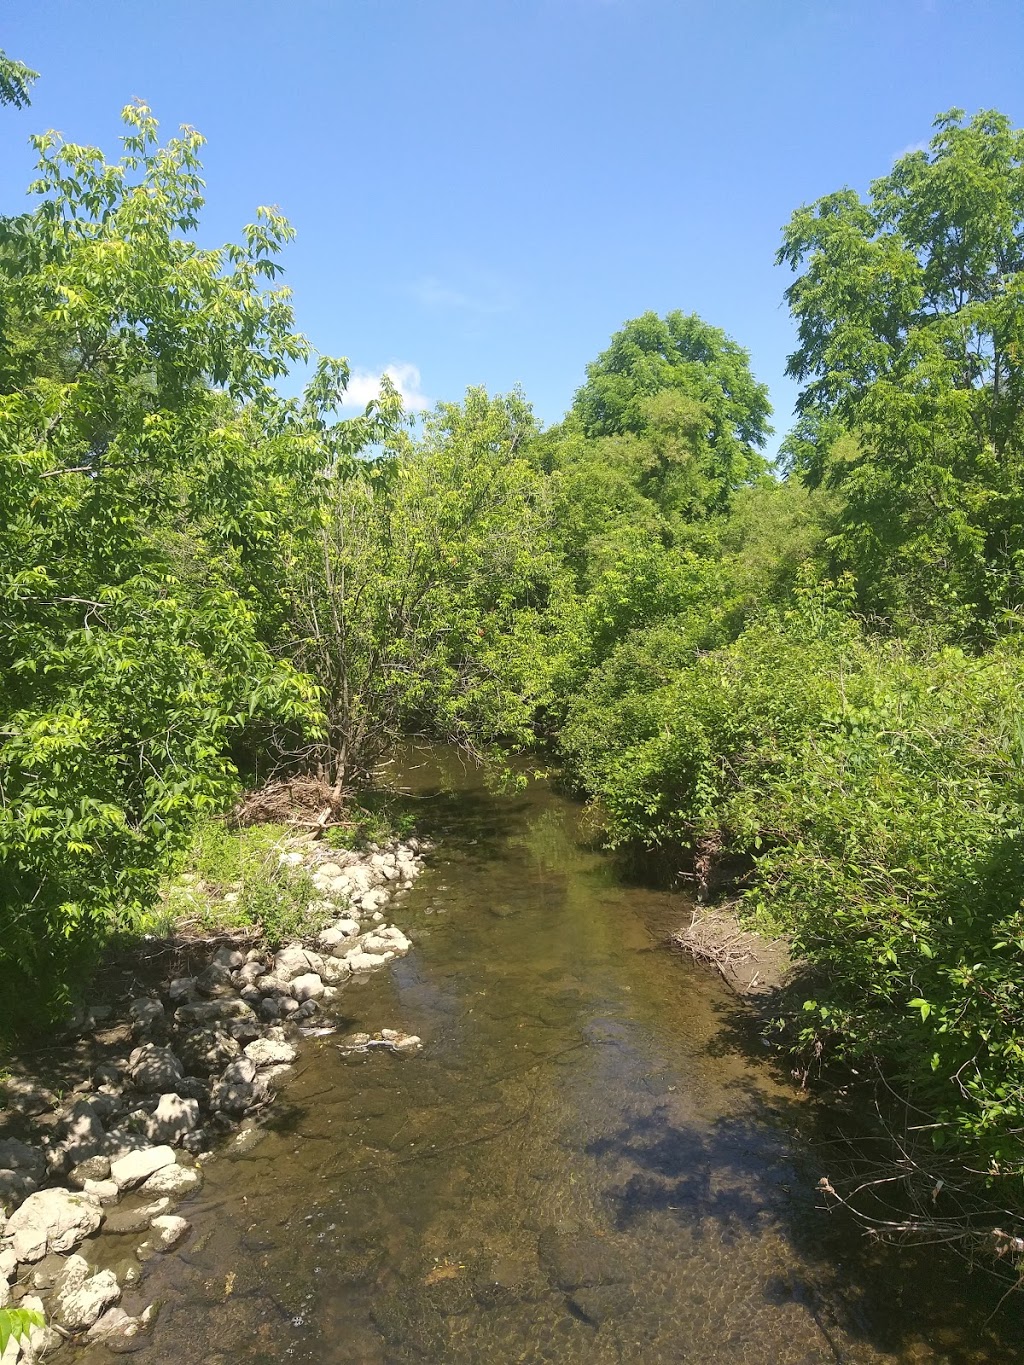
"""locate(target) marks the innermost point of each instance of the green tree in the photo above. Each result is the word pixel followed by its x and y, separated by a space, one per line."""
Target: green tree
pixel 15 81
pixel 129 658
pixel 911 332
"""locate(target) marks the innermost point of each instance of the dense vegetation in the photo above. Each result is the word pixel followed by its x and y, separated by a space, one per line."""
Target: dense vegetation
pixel 813 670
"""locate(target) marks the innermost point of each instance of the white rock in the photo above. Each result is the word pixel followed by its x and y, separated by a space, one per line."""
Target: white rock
pixel 328 870
pixel 131 1170
pixel 52 1220
pixel 105 1191
pixel 8 1264
pixel 335 970
pixel 176 1181
pixel 80 1297
pixel 296 961
pixel 307 987
pixel 268 1052
pixel 172 1118
pixel 169 1231
pixel 290 859
pixel 359 961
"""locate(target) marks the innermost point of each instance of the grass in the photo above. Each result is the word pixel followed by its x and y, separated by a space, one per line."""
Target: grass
pixel 232 879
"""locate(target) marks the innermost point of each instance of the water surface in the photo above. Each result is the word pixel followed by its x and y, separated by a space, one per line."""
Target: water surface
pixel 591 1160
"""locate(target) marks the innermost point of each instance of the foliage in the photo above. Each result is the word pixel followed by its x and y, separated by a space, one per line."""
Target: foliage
pixel 128 658
pixel 910 317
pixel 16 1323
pixel 15 82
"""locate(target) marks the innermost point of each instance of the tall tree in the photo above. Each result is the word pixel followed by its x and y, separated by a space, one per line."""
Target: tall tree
pixel 910 309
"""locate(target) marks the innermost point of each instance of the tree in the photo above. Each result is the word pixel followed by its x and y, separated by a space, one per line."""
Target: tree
pixel 686 388
pixel 133 368
pixel 15 81
pixel 910 309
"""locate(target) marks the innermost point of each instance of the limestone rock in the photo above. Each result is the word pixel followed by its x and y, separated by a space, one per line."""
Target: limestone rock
pixel 211 1011
pixel 154 1068
pixel 296 961
pixel 172 1118
pixel 80 1298
pixel 52 1220
pixel 131 1170
pixel 93 1168
pixel 147 1016
pixel 307 987
pixel 168 1231
pixel 208 1050
pixel 268 1052
pixel 175 1181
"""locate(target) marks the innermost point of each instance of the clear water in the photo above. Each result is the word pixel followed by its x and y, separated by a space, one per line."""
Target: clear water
pixel 591 1160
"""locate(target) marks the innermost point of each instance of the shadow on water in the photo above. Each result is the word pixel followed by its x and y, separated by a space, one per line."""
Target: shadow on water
pixel 591 1161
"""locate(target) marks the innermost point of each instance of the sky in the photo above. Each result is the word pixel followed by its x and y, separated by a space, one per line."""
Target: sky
pixel 485 190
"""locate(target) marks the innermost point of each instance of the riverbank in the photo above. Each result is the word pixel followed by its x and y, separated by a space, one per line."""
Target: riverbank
pixel 754 966
pixel 104 1135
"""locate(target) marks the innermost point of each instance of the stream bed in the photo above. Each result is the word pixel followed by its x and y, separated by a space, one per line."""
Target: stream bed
pixel 591 1160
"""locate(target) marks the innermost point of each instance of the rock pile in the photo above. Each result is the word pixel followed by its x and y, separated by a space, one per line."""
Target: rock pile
pixel 209 1048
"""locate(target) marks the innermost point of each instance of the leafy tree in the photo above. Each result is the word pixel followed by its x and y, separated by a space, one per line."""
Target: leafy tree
pixel 15 81
pixel 687 388
pixel 911 330
pixel 128 656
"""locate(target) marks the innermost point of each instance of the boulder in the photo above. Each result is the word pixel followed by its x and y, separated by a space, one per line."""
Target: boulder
pixel 174 1181
pixel 168 1231
pixel 335 970
pixel 250 973
pixel 105 1191
pixel 296 961
pixel 120 1332
pixel 79 1297
pixel 172 1118
pixel 131 1170
pixel 181 989
pixel 229 957
pixel 211 1011
pixel 214 980
pixel 154 1068
pixel 208 1050
pixel 307 987
pixel 360 961
pixel 233 1093
pixel 146 1016
pixel 268 1052
pixel 79 1135
pixel 93 1168
pixel 52 1220
pixel 137 1219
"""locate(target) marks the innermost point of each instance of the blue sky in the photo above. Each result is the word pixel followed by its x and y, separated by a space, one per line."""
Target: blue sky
pixel 485 190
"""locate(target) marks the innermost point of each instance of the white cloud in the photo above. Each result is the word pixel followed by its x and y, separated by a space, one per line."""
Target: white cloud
pixel 364 387
pixel 484 294
pixel 923 146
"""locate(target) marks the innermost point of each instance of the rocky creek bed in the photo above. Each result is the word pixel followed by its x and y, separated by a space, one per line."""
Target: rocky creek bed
pixel 159 1081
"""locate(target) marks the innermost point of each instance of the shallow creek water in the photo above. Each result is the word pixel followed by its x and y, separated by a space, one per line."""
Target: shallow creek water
pixel 590 1161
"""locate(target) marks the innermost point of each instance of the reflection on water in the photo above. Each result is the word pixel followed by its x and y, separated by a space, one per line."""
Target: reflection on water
pixel 583 1165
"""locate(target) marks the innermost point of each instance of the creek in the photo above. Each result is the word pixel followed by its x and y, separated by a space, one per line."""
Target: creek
pixel 592 1160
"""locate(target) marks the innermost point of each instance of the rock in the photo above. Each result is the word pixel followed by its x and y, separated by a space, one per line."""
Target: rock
pixel 328 870
pixel 296 961
pixel 328 939
pixel 172 1118
pixel 105 1106
pixel 8 1264
pixel 307 987
pixel 250 973
pixel 208 1050
pixel 154 1068
pixel 214 980
pixel 47 1272
pixel 335 970
pixel 211 1012
pixel 601 1302
pixel 119 1332
pixel 290 859
pixel 168 1231
pixel 229 957
pixel 15 1188
pixel 360 961
pixel 181 989
pixel 269 1009
pixel 93 1168
pixel 272 984
pixel 348 927
pixel 267 1052
pixel 175 1181
pixel 286 1006
pixel 146 1016
pixel 234 1093
pixel 123 1221
pixel 78 1136
pixel 244 1030
pixel 80 1297
pixel 131 1170
pixel 52 1220
pixel 25 1098
pixel 105 1191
